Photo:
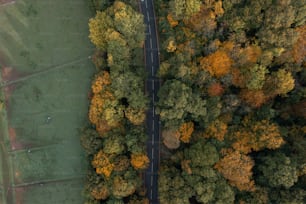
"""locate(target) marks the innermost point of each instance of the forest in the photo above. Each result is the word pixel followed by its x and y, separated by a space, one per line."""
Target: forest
pixel 232 103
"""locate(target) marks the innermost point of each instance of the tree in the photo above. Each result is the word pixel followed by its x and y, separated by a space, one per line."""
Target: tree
pixel 284 81
pixel 171 186
pixel 113 144
pixel 173 99
pixel 91 141
pixel 98 27
pixel 237 168
pixel 100 83
pixel 135 139
pixel 100 191
pixel 136 117
pixel 201 154
pixel 185 131
pixel 192 6
pixel 125 185
pixel 130 23
pixel 259 196
pixel 288 196
pixel 102 164
pixel 119 18
pixel 255 76
pixel 277 170
pixel 255 136
pixel 217 64
pixel 215 89
pixel 298 49
pixel 118 55
pixel 216 129
pixel 254 98
pixel 279 83
pixel 139 161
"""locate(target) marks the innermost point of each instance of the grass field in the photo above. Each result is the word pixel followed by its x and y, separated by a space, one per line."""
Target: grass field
pixel 46 75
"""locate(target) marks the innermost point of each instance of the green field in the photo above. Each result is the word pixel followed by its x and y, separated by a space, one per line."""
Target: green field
pixel 45 46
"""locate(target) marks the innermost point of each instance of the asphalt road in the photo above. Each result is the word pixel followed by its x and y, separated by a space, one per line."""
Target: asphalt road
pixel 152 87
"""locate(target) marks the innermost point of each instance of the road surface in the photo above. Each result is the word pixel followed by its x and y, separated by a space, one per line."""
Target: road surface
pixel 152 87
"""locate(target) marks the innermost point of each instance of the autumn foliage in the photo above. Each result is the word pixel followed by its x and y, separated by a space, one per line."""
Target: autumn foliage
pixel 102 164
pixel 237 168
pixel 101 80
pixel 254 98
pixel 101 94
pixel 171 21
pixel 250 54
pixel 100 192
pixel 299 48
pixel 217 129
pixel 255 136
pixel 139 161
pixel 185 131
pixel 215 89
pixel 217 64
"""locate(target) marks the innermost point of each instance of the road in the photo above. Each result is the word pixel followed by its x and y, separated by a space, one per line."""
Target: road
pixel 152 87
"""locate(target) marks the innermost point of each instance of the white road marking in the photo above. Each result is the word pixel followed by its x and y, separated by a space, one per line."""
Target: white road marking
pixel 152 166
pixel 151 194
pixel 151 179
pixel 152 156
pixel 150 29
pixel 146 4
pixel 153 79
pixel 152 56
pixel 152 70
pixel 153 111
pixel 151 44
pixel 148 16
pixel 153 125
pixel 153 97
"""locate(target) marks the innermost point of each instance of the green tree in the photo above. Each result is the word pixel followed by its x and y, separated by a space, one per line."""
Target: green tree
pixel 126 184
pixel 177 100
pixel 91 141
pixel 135 139
pixel 130 23
pixel 201 154
pixel 113 144
pixel 277 170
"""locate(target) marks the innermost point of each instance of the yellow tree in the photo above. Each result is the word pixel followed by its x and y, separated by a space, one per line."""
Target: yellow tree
pixel 237 169
pixel 279 83
pixel 102 164
pixel 217 64
pixel 139 161
pixel 185 131
pixel 101 80
pixel 100 191
pixel 255 136
pixel 171 20
pixel 216 129
pixel 137 117
pixel 98 27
